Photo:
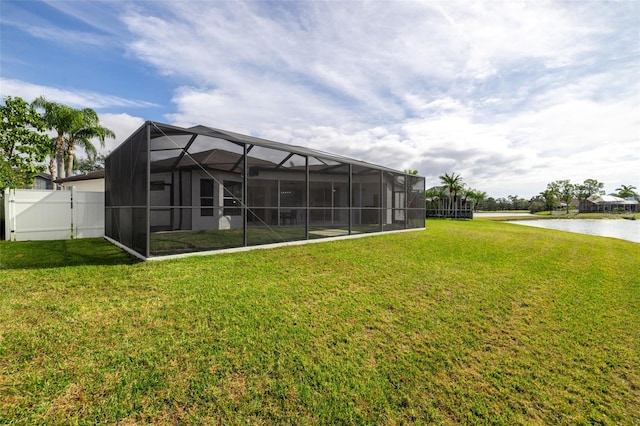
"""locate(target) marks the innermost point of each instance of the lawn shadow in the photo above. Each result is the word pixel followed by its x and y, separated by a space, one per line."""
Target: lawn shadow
pixel 61 253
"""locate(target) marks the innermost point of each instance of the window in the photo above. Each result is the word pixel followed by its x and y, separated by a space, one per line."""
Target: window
pixel 157 185
pixel 232 198
pixel 206 197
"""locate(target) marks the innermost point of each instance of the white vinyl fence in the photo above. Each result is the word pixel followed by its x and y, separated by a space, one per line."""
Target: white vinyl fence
pixel 52 215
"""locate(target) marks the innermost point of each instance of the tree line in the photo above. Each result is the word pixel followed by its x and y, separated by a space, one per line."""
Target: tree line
pixel 26 144
pixel 558 194
pixel 561 193
pixel 453 196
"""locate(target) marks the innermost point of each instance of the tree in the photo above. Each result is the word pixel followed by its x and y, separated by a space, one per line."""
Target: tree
pixel 62 119
pixel 474 195
pixel 433 199
pixel 490 204
pixel 567 192
pixel 505 203
pixel 441 198
pixel 88 129
pixel 517 203
pixel 627 191
pixel 90 164
pixel 51 153
pixel 73 127
pixel 466 193
pixel 537 204
pixel 22 146
pixel 453 184
pixel 564 190
pixel 550 198
pixel 588 188
pixel 479 196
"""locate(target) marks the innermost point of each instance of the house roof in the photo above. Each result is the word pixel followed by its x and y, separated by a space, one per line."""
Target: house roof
pixel 160 129
pixel 215 158
pixel 609 199
pixel 98 174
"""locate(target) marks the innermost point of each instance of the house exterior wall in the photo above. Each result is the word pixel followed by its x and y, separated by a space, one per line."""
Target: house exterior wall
pixel 589 206
pixel 41 182
pixel 218 220
pixel 92 185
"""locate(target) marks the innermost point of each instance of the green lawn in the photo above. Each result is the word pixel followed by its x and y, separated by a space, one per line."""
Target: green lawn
pixel 179 242
pixel 464 322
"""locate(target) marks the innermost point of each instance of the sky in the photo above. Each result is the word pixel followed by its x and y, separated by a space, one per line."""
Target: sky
pixel 511 95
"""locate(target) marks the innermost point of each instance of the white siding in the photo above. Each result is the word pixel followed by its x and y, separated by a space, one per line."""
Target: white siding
pixel 90 185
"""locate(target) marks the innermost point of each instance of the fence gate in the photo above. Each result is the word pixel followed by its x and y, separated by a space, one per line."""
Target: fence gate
pixel 52 215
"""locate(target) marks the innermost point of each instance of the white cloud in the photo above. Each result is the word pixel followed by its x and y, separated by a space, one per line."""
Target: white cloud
pixel 510 94
pixel 98 16
pixel 123 125
pixel 67 37
pixel 75 98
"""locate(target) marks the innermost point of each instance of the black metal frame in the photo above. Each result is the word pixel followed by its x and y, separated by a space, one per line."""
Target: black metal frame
pixel 130 169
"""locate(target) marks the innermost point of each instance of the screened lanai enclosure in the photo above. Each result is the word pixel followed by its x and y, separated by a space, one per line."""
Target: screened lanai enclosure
pixel 172 190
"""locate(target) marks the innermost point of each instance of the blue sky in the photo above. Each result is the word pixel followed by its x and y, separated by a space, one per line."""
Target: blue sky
pixel 510 94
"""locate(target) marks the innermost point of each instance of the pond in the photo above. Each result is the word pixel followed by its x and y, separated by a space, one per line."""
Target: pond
pixel 617 228
pixel 500 214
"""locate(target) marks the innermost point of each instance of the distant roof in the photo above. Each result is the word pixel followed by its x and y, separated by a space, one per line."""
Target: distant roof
pixel 98 174
pixel 609 199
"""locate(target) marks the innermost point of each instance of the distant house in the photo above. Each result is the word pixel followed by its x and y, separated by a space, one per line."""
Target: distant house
pixel 41 181
pixel 89 182
pixel 608 203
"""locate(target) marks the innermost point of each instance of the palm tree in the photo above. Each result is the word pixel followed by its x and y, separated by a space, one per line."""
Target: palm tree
pixel 433 196
pixel 73 127
pixel 454 184
pixel 441 197
pixel 479 196
pixel 51 153
pixel 89 128
pixel 465 193
pixel 62 119
pixel 627 191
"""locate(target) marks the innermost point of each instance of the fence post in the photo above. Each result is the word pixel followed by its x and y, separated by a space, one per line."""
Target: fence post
pixel 3 214
pixel 11 219
pixel 73 213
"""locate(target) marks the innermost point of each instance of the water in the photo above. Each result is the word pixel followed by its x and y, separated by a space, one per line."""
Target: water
pixel 617 228
pixel 499 214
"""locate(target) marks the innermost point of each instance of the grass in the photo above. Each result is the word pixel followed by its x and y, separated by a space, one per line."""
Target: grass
pixel 175 242
pixel 466 322
pixel 164 243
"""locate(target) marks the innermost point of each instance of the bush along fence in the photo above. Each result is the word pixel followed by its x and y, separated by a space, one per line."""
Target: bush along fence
pixel 27 214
